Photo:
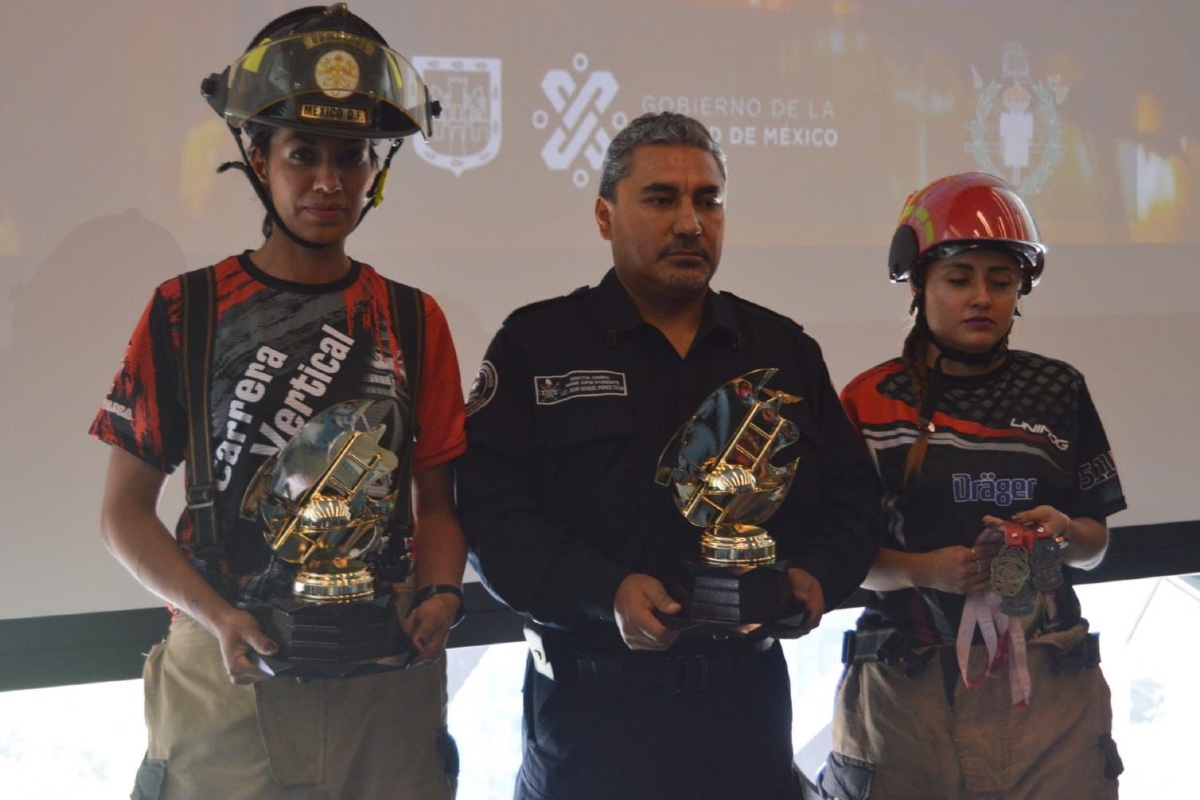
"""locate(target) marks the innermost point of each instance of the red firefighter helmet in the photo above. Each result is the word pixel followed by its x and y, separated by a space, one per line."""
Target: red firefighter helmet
pixel 969 211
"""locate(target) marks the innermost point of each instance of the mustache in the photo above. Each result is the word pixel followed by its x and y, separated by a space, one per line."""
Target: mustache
pixel 685 246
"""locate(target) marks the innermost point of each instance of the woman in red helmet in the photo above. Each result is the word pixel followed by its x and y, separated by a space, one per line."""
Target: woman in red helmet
pixel 291 333
pixel 972 673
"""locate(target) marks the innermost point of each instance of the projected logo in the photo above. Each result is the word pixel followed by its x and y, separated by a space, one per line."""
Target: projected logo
pixel 1016 132
pixel 467 134
pixel 579 101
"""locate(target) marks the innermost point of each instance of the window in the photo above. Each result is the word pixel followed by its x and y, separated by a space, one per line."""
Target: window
pixel 67 742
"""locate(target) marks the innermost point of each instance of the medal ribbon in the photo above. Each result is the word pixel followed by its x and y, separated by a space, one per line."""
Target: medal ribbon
pixel 1001 635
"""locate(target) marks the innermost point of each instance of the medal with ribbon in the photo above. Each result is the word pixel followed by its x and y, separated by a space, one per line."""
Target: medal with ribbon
pixel 1030 562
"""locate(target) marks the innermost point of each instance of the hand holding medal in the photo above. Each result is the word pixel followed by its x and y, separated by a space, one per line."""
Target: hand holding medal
pixel 1029 562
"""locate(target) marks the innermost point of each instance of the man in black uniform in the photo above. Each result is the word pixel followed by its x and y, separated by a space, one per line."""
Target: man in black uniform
pixel 574 403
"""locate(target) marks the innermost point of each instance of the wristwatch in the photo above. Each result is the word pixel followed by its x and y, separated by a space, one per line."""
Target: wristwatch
pixel 426 592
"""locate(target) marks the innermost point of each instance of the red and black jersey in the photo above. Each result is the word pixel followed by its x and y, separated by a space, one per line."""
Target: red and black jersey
pixel 1023 435
pixel 282 352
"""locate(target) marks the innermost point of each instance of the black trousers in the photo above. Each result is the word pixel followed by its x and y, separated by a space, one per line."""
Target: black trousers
pixel 605 740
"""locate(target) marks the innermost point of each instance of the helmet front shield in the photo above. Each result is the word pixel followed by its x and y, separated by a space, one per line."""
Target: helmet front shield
pixel 330 83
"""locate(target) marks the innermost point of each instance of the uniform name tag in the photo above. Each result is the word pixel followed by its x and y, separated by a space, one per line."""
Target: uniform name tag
pixel 553 389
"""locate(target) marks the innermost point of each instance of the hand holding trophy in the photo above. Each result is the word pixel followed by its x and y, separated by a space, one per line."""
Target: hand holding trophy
pixel 719 464
pixel 314 498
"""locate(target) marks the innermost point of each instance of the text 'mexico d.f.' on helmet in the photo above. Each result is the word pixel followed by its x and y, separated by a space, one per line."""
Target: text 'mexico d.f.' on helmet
pixel 970 211
pixel 327 72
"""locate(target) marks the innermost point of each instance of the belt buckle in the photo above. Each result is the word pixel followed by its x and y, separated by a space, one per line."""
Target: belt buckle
pixel 686 673
pixel 892 648
pixel 897 649
pixel 201 496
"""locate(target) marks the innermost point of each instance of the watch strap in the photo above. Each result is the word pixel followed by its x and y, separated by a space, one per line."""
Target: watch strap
pixel 426 592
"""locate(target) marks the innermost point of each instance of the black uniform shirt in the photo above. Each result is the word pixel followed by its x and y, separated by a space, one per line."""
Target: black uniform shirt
pixel 575 401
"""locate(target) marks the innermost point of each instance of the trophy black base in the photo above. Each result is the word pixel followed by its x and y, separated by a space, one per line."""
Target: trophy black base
pixel 736 602
pixel 333 640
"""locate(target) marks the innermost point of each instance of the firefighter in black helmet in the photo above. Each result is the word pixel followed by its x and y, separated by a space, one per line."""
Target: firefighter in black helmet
pixel 292 328
pixel 326 72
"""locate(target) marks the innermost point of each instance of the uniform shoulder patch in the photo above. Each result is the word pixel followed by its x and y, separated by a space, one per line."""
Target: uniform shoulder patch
pixel 484 387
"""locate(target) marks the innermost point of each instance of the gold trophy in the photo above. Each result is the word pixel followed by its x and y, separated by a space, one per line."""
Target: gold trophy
pixel 321 500
pixel 719 464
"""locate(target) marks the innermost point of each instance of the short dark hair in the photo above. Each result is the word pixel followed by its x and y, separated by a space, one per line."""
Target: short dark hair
pixel 667 128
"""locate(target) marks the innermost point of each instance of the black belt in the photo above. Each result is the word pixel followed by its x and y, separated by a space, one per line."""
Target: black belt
pixel 667 673
pixel 888 645
pixel 1084 655
pixel 892 647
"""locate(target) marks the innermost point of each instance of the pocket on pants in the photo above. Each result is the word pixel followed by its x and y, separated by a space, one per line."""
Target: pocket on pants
pixel 152 700
pixel 291 719
pixel 845 778
pixel 150 779
pixel 448 748
pixel 1113 765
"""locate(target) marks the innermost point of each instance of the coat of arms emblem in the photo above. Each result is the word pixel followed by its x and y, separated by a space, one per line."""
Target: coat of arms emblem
pixel 467 134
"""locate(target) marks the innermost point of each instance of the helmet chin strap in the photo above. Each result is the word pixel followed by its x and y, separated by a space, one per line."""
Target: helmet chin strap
pixel 950 353
pixel 243 166
pixel 933 391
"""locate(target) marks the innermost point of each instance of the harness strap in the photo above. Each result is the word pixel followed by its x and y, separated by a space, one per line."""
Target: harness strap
pixel 199 309
pixel 408 324
pixel 407 307
pixel 199 320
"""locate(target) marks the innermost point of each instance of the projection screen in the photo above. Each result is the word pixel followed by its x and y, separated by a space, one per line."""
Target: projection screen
pixel 831 112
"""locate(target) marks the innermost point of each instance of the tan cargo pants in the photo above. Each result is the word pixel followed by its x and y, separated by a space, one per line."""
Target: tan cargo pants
pixel 897 738
pixel 361 738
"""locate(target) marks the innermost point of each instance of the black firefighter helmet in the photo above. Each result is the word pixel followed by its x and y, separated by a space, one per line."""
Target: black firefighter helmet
pixel 324 71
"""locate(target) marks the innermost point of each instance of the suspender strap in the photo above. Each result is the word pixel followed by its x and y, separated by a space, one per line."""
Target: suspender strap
pixel 199 306
pixel 408 325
